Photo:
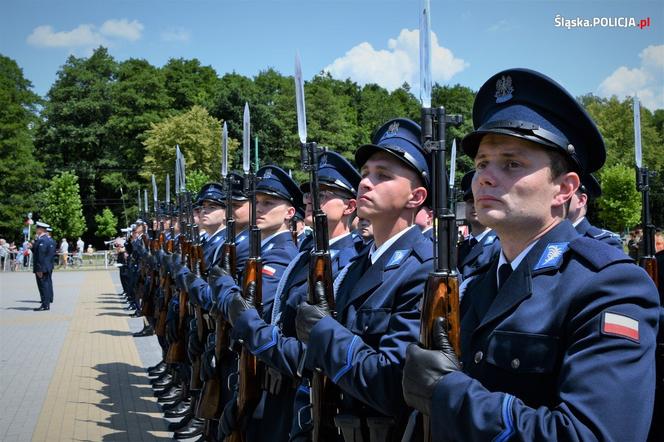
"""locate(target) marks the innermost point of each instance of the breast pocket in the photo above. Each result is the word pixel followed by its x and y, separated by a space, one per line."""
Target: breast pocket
pixel 371 322
pixel 522 352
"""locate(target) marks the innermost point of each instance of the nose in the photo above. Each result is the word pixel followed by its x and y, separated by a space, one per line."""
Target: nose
pixel 365 185
pixel 484 177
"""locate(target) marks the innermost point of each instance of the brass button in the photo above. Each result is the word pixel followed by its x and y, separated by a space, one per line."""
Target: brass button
pixel 478 357
pixel 515 363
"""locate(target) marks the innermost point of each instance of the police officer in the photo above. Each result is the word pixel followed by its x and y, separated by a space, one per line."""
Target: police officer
pixel 578 207
pixel 43 253
pixel 273 341
pixel 482 244
pixel 379 293
pixel 558 336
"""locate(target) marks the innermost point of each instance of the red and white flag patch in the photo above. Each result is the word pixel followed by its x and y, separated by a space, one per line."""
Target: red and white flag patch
pixel 269 271
pixel 620 325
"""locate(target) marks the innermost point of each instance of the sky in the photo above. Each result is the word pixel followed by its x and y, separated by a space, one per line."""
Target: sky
pixel 369 41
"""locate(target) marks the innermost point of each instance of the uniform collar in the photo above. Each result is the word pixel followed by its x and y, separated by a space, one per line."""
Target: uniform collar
pixel 338 238
pixel 271 237
pixel 374 253
pixel 578 221
pixel 516 261
pixel 481 236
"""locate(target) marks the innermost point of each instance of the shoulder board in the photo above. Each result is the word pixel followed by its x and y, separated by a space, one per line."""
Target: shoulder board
pixel 552 256
pixel 423 250
pixel 597 253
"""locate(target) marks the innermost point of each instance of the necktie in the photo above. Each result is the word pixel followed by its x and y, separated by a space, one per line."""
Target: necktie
pixel 472 242
pixel 504 272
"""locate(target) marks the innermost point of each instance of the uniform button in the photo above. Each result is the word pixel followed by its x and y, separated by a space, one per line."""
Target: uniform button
pixel 515 363
pixel 366 328
pixel 478 357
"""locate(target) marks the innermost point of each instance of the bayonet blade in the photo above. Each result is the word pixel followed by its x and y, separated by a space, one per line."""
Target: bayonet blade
pixel 636 106
pixel 183 176
pixel 168 188
pixel 154 191
pixel 139 199
pixel 246 135
pixel 299 101
pixel 224 152
pixel 425 54
pixel 453 163
pixel 177 169
pixel 145 201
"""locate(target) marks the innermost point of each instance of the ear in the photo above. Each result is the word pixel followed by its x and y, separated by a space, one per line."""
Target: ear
pixel 417 197
pixel 568 184
pixel 350 207
pixel 290 213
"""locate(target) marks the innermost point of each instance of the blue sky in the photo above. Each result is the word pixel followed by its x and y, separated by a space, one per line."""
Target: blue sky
pixel 366 40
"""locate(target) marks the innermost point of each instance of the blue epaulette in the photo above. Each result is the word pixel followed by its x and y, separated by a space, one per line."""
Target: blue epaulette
pixel 597 253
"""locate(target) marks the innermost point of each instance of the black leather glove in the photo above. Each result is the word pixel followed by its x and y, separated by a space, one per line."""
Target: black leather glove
pixel 215 273
pixel 425 368
pixel 229 419
pixel 195 347
pixel 239 304
pixel 308 315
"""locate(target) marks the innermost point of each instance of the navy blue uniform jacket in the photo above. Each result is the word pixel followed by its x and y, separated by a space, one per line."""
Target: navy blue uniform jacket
pixel 43 252
pixel 540 358
pixel 479 256
pixel 378 316
pixel 588 230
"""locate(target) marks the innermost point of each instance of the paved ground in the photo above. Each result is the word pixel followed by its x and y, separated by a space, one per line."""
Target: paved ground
pixel 74 372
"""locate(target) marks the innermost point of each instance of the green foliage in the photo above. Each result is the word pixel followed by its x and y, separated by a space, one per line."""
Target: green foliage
pixel 20 172
pixel 195 180
pixel 107 224
pixel 199 137
pixel 62 207
pixel 620 204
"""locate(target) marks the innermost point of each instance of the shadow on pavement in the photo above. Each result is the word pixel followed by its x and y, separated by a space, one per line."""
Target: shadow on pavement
pixel 21 308
pixel 124 393
pixel 29 300
pixel 113 332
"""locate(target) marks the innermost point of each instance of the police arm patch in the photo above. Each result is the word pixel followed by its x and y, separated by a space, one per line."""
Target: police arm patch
pixel 614 324
pixel 269 271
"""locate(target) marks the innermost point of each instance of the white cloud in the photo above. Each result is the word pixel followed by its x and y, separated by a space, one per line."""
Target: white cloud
pixel 81 36
pixel 397 64
pixel 647 80
pixel 124 29
pixel 175 35
pixel 86 36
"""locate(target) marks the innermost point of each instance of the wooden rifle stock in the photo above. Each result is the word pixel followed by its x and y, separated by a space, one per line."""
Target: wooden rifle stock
pixel 324 394
pixel 201 326
pixel 649 264
pixel 177 351
pixel 210 405
pixel 249 381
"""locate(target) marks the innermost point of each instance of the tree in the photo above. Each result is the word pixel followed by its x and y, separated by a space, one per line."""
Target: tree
pixel 107 224
pixel 195 180
pixel 188 83
pixel 62 207
pixel 20 173
pixel 199 137
pixel 620 204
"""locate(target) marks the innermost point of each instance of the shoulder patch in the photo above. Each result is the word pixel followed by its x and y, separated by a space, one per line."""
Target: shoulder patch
pixel 269 271
pixel 333 253
pixel 489 240
pixel 619 325
pixel 397 257
pixel 597 253
pixel 552 255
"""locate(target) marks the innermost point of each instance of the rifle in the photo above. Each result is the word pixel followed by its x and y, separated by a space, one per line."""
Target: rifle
pixel 643 175
pixel 210 406
pixel 148 304
pixel 441 293
pixel 324 394
pixel 166 280
pixel 252 290
pixel 200 268
pixel 177 351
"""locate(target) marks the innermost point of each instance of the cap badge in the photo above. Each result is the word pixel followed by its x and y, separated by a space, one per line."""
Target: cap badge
pixel 323 161
pixel 392 130
pixel 268 173
pixel 504 89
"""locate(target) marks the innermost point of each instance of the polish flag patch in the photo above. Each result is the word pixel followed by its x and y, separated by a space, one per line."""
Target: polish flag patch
pixel 620 325
pixel 269 271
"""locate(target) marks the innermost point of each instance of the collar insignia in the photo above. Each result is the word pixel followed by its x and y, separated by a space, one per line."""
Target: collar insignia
pixel 504 89
pixel 552 255
pixel 397 257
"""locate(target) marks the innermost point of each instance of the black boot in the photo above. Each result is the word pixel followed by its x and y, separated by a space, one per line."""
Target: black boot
pixel 175 426
pixel 182 408
pixel 166 407
pixel 172 394
pixel 195 428
pixel 157 369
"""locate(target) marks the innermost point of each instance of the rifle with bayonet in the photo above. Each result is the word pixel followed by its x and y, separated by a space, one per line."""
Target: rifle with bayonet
pixel 647 260
pixel 324 394
pixel 199 267
pixel 441 295
pixel 177 351
pixel 148 302
pixel 210 405
pixel 252 290
pixel 166 281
